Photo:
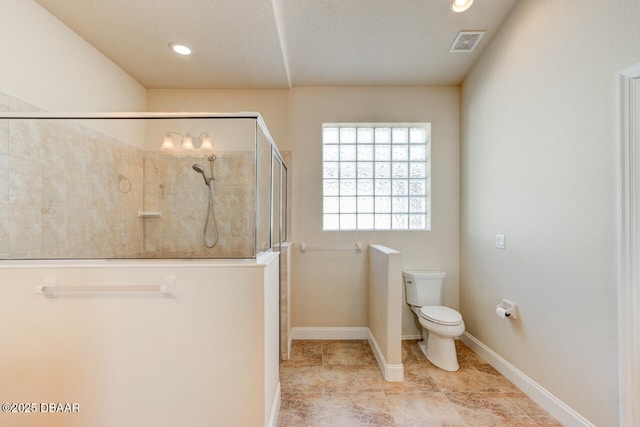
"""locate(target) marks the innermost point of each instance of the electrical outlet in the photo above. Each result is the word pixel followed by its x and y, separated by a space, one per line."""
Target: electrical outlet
pixel 500 241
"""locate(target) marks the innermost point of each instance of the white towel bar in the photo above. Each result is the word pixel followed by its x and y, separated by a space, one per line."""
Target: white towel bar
pixel 49 288
pixel 304 248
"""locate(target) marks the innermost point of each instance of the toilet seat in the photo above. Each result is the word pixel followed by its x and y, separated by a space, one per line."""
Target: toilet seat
pixel 441 315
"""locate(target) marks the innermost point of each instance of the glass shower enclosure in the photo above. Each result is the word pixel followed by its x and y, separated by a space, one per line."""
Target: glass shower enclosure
pixel 134 186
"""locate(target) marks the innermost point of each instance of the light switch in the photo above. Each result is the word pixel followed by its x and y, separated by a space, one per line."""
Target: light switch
pixel 500 241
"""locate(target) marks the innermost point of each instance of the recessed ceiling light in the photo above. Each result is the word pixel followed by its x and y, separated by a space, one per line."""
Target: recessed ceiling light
pixel 180 49
pixel 461 5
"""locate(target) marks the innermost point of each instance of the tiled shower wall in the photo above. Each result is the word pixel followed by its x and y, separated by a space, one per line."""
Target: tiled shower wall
pixel 67 191
pixel 174 189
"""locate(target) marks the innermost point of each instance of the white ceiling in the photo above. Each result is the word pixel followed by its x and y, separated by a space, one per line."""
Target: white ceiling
pixel 282 43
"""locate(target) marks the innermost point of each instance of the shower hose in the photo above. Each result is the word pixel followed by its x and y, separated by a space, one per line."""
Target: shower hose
pixel 210 222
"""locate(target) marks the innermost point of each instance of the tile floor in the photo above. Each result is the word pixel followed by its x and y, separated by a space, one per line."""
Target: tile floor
pixel 338 383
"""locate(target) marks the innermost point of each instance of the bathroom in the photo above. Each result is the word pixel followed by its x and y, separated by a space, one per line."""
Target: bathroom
pixel 477 187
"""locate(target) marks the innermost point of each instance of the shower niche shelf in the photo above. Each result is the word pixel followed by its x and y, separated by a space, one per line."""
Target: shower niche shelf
pixel 150 214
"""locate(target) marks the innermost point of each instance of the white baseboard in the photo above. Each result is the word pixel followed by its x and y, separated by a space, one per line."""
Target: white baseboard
pixel 329 333
pixel 411 337
pixel 275 408
pixel 558 409
pixel 391 372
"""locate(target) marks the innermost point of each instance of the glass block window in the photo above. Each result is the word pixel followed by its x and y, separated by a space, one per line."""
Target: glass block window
pixel 376 176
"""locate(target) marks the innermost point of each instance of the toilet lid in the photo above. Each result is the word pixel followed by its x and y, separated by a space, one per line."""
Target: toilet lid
pixel 441 315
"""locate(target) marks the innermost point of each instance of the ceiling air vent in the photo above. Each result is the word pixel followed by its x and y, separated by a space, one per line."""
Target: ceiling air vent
pixel 466 41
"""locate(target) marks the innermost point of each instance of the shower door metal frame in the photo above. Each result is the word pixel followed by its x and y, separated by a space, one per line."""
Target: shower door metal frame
pixel 628 246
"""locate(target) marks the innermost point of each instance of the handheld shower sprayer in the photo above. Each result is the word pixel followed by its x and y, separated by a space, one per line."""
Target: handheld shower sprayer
pixel 210 226
pixel 196 167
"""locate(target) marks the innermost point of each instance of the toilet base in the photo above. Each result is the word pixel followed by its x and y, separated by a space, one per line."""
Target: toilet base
pixel 423 347
pixel 441 351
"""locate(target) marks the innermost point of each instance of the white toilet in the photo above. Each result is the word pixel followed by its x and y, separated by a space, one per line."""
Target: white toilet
pixel 440 324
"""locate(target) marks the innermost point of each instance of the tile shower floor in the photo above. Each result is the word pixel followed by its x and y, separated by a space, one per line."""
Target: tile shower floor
pixel 338 383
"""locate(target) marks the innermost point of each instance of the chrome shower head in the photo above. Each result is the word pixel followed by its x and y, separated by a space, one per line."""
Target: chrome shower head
pixel 196 167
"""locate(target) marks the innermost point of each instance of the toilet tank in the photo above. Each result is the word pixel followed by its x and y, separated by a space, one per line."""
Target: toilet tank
pixel 423 287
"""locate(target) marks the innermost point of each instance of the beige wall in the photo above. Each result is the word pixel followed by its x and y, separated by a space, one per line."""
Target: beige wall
pixel 539 146
pixel 271 104
pixel 330 289
pixel 46 64
pixel 130 360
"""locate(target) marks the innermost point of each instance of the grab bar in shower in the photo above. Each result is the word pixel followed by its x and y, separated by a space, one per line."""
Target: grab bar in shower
pixel 50 288
pixel 304 248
